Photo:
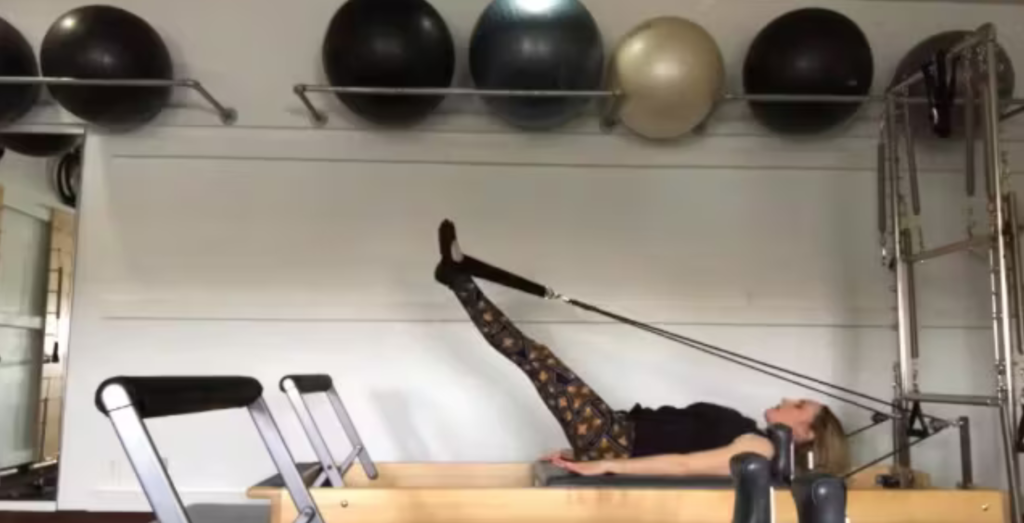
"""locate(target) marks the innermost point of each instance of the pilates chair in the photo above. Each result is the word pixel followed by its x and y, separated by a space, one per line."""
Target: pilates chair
pixel 127 401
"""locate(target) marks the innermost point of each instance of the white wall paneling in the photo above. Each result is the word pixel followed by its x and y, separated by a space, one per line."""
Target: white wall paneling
pixel 273 248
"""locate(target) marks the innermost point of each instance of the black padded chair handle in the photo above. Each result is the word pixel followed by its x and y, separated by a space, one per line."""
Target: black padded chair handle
pixel 820 498
pixel 309 383
pixel 158 396
pixel 752 474
pixel 781 437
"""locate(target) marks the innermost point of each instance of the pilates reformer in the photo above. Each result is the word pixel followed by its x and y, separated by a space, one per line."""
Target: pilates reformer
pixel 127 401
pixel 514 493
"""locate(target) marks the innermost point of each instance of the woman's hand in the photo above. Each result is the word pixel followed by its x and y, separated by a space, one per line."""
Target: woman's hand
pixel 584 468
pixel 564 454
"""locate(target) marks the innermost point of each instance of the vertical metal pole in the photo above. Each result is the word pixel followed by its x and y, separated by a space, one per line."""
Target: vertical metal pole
pixel 966 459
pixel 267 427
pixel 903 340
pixel 1018 273
pixel 970 127
pixel 316 439
pixel 915 351
pixel 156 483
pixel 369 468
pixel 1003 345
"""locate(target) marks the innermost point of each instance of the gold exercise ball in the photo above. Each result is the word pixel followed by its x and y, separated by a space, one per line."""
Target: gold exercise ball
pixel 670 73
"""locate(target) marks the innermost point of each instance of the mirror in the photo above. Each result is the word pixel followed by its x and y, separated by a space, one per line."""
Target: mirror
pixel 39 180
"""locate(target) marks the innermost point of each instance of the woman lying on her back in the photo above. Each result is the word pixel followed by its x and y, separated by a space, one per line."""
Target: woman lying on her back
pixel 696 440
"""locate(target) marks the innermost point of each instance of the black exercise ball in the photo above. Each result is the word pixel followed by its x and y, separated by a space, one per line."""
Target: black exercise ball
pixel 808 52
pixel 924 52
pixel 16 59
pixel 39 144
pixel 537 44
pixel 103 42
pixel 389 43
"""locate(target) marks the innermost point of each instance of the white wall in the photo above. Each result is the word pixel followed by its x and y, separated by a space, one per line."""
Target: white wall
pixel 271 248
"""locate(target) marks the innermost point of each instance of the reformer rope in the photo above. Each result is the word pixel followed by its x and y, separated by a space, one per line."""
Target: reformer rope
pixel 479 269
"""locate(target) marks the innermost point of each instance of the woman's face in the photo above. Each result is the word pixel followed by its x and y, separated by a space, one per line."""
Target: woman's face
pixel 797 415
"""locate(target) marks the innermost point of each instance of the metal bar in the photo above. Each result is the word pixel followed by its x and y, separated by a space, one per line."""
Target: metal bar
pixel 966 458
pixel 883 225
pixel 282 457
pixel 313 434
pixel 226 114
pixel 912 327
pixel 351 458
pixel 301 89
pixel 1018 273
pixel 456 91
pixel 1004 350
pixel 962 245
pixel 990 135
pixel 902 379
pixel 908 137
pixel 970 127
pixel 985 33
pixel 1011 113
pixel 888 455
pixel 954 399
pixel 865 428
pixel 901 244
pixel 369 468
pixel 320 117
pixel 138 445
pixel 1007 426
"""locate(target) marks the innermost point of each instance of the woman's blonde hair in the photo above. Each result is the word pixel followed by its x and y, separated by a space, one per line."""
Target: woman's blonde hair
pixel 829 451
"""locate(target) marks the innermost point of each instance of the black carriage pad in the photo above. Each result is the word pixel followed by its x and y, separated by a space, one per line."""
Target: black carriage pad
pixel 159 396
pixel 547 475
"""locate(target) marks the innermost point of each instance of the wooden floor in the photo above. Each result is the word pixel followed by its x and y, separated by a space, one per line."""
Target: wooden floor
pixel 73 517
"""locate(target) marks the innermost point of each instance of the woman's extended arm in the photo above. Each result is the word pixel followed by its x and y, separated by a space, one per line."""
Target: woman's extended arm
pixel 707 463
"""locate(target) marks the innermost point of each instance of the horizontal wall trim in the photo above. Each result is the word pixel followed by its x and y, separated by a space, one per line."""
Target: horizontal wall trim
pixel 17 321
pixel 209 309
pixel 740 152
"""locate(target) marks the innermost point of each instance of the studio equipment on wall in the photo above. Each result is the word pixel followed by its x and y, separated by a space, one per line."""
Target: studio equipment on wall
pixel 808 52
pixel 529 45
pixel 389 43
pixel 669 75
pixel 946 79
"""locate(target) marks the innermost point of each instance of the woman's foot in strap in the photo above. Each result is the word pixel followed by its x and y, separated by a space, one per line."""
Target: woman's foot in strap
pixel 449 271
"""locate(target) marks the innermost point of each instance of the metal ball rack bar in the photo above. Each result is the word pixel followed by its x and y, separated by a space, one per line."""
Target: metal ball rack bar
pixel 227 115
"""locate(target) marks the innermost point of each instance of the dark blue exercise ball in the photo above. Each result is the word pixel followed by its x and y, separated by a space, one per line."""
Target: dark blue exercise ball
pixel 16 59
pixel 808 52
pixel 107 43
pixel 537 45
pixel 389 43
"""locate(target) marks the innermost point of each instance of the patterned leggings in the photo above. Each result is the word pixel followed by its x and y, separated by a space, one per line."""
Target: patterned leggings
pixel 595 431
